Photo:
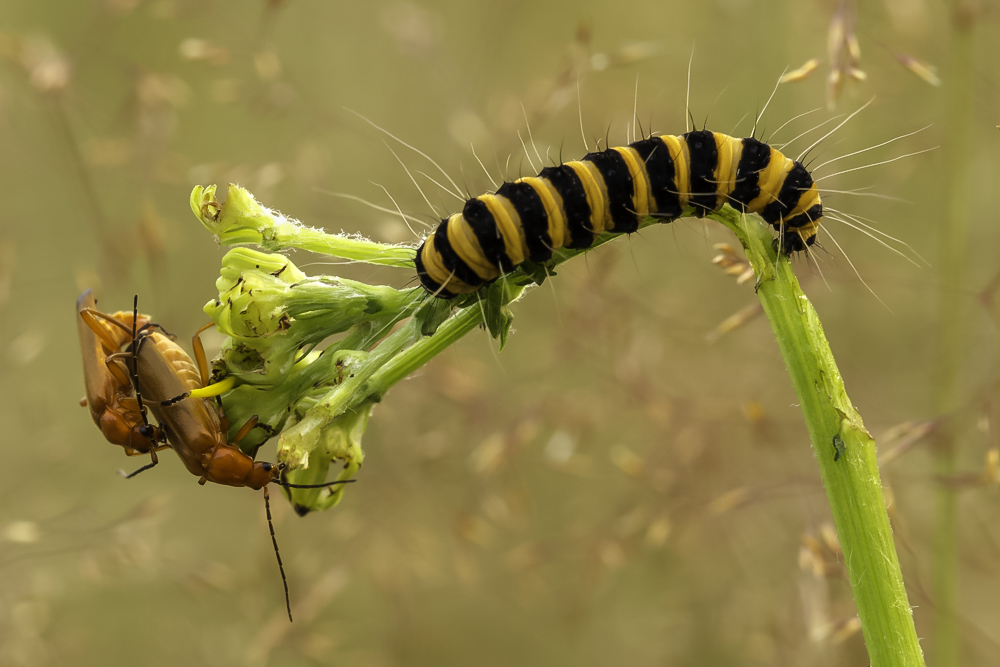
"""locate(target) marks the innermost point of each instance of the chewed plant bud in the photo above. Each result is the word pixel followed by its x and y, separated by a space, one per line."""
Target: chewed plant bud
pixel 332 370
pixel 313 375
pixel 338 446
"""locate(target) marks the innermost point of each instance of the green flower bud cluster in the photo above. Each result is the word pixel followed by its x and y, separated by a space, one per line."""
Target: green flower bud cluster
pixel 317 400
pixel 271 311
pixel 274 316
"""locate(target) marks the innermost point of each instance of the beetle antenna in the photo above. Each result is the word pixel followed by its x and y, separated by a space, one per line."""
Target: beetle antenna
pixel 134 366
pixel 289 485
pixel 134 372
pixel 274 541
pixel 277 479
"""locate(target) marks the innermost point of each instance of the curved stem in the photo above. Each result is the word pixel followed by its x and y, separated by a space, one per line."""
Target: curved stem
pixel 844 450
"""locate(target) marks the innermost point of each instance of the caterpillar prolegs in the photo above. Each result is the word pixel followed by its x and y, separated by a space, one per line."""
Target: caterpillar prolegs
pixel 613 190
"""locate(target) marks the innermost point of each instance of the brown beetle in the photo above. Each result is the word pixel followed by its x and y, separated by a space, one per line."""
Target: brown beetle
pixel 194 425
pixel 106 378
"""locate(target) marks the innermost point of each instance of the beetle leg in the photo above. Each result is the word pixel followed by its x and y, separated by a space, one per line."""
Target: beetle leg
pixel 244 430
pixel 112 361
pixel 91 318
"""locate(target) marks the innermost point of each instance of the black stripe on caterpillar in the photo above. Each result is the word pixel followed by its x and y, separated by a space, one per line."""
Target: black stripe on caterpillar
pixel 613 191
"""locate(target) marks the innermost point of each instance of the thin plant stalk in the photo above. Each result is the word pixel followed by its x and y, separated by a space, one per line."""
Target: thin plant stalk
pixel 954 236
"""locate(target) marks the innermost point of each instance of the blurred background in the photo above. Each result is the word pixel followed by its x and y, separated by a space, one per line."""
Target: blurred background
pixel 630 481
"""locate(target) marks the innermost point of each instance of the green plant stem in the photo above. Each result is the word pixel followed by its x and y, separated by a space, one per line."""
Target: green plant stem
pixel 392 361
pixel 404 364
pixel 954 236
pixel 345 247
pixel 844 451
pixel 295 442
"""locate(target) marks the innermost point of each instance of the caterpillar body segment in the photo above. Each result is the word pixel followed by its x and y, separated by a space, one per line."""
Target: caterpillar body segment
pixel 614 190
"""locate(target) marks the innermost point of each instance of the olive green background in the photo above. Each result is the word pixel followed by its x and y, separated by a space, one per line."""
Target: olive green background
pixel 613 488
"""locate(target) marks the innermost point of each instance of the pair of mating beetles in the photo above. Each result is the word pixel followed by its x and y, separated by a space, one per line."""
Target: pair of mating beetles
pixel 129 364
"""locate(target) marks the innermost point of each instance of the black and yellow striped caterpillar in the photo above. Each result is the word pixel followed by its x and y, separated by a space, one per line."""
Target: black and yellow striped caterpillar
pixel 613 191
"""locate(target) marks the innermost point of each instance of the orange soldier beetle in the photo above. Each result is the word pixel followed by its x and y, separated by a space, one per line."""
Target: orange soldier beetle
pixel 109 390
pixel 178 394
